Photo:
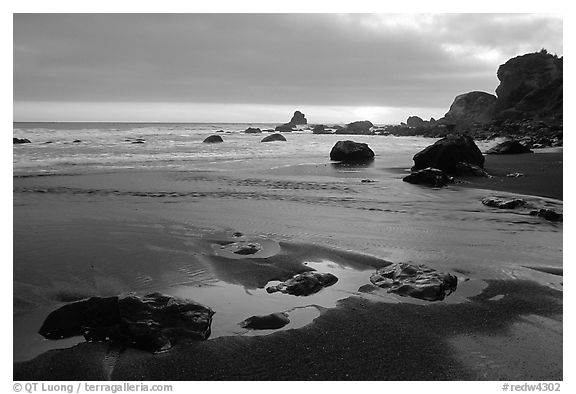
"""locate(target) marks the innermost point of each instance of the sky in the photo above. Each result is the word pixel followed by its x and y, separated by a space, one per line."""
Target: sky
pixel 262 67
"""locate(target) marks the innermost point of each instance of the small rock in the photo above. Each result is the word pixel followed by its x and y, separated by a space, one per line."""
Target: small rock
pixel 243 248
pixel 415 281
pixel 429 176
pixel 496 202
pixel 17 141
pixel 367 181
pixel 267 322
pixel 547 214
pixel 508 148
pixel 304 284
pixel 515 175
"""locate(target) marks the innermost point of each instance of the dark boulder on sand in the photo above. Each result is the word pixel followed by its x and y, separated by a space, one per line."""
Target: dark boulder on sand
pixel 496 202
pixel 274 137
pixel 154 322
pixel 17 141
pixel 430 177
pixel 547 214
pixel 304 284
pixel 252 130
pixel 350 151
pixel 415 281
pixel 510 147
pixel 213 139
pixel 267 322
pixel 447 152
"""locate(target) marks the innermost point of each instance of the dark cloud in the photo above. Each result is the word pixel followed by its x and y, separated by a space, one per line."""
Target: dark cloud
pixel 316 59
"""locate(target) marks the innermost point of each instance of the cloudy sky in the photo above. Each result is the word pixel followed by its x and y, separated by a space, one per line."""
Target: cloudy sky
pixel 262 67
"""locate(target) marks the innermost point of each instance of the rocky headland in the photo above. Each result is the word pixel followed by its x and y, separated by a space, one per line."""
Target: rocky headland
pixel 527 106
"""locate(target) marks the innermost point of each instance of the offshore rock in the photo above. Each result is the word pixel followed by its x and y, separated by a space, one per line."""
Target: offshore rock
pixel 350 151
pixel 252 130
pixel 361 127
pixel 154 322
pixel 273 137
pixel 472 107
pixel 285 128
pixel 304 284
pixel 17 141
pixel 298 118
pixel 430 177
pixel 213 139
pixel 415 281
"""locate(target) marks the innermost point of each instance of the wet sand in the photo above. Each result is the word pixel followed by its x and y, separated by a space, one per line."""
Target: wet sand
pixel 156 231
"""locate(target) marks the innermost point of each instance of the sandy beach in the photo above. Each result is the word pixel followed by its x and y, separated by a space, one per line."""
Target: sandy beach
pixel 143 231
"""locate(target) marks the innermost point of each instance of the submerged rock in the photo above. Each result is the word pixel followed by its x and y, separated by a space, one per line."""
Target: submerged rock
pixel 350 151
pixel 429 176
pixel 304 284
pixel 446 153
pixel 267 322
pixel 154 322
pixel 213 139
pixel 496 202
pixel 547 214
pixel 415 281
pixel 508 148
pixel 274 137
pixel 243 248
pixel 17 141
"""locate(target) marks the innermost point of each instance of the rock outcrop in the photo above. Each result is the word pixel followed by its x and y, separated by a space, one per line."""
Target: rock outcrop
pixel 446 153
pixel 415 121
pixel 272 321
pixel 511 147
pixel 430 177
pixel 350 151
pixel 154 322
pixel 415 281
pixel 470 108
pixel 213 139
pixel 274 137
pixel 530 85
pixel 242 247
pixel 304 284
pixel 298 118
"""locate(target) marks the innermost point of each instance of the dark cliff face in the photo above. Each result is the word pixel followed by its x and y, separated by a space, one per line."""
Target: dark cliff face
pixel 530 85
